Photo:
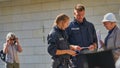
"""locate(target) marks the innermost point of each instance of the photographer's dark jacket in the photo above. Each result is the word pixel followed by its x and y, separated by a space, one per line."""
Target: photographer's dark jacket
pixel 82 34
pixel 57 39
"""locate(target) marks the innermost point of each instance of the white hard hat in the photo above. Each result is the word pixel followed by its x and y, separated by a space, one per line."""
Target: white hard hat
pixel 109 17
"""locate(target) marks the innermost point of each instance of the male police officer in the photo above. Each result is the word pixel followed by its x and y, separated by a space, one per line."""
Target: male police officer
pixel 82 33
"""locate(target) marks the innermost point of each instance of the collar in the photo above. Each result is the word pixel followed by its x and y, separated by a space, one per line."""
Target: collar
pixel 80 23
pixel 58 29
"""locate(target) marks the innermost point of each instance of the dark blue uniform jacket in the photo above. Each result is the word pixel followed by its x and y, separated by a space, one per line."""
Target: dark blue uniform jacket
pixel 82 34
pixel 57 39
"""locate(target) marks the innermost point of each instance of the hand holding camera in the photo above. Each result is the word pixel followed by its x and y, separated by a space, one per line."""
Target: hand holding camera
pixel 12 41
pixel 16 40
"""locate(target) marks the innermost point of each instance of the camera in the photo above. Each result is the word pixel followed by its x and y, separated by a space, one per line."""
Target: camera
pixel 14 40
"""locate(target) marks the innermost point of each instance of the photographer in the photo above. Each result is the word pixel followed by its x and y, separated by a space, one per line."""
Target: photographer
pixel 11 47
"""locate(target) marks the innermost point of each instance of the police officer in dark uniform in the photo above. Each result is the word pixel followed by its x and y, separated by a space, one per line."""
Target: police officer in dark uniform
pixel 59 48
pixel 82 33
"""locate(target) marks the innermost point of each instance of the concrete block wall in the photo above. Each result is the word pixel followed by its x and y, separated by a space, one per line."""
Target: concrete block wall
pixel 32 20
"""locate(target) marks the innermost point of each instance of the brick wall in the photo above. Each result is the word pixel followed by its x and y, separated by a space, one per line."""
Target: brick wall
pixel 31 20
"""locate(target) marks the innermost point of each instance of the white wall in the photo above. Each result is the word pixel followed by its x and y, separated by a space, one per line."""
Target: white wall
pixel 31 20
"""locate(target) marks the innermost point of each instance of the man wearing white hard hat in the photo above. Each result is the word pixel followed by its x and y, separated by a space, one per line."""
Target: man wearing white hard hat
pixel 112 40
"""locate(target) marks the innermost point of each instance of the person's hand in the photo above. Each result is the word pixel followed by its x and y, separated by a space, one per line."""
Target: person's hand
pixel 91 47
pixel 102 43
pixel 7 42
pixel 76 47
pixel 16 39
pixel 71 52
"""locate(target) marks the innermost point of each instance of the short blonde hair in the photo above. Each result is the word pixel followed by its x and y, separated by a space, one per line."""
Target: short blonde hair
pixel 10 35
